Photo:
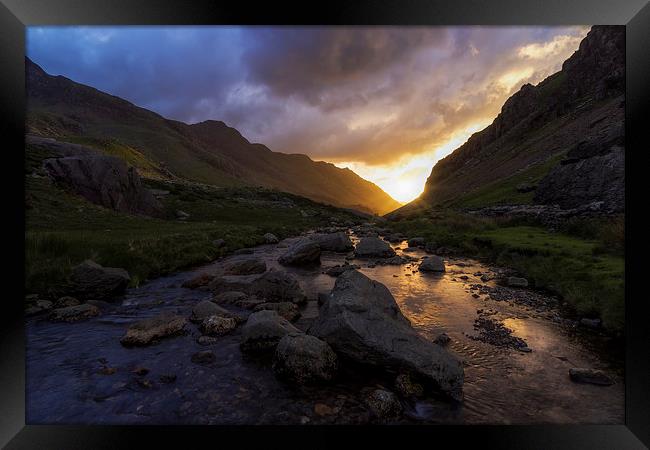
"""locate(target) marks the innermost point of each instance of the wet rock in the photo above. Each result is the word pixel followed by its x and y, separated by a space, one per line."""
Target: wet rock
pixel 383 404
pixel 207 340
pixel 229 298
pixel 442 339
pixel 271 238
pixel 302 252
pixel 373 247
pixel 217 325
pixel 416 242
pixel 590 376
pixel 278 286
pixel 394 261
pixel 287 310
pixel 106 370
pixel 304 359
pixel 206 308
pixel 198 281
pixel 263 330
pixel 406 387
pixel 590 323
pixel 151 330
pixel 66 301
pixel 204 357
pixel 245 266
pixel 334 242
pixel 338 270
pixel 362 321
pixel 517 282
pixel 141 371
pixel 432 264
pixel 485 278
pixel 74 313
pixel 92 281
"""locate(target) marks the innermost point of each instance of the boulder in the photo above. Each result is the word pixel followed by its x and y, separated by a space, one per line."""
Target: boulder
pixel 245 266
pixel 66 301
pixel 517 282
pixel 92 281
pixel 383 404
pixel 590 376
pixel 432 263
pixel 406 387
pixel 206 308
pixel 106 181
pixel 416 242
pixel 334 242
pixel 277 286
pixel 74 313
pixel 271 238
pixel 151 330
pixel 287 310
pixel 200 280
pixel 337 270
pixel 304 359
pixel 229 297
pixel 263 330
pixel 302 252
pixel 373 247
pixel 217 325
pixel 362 322
pixel 442 339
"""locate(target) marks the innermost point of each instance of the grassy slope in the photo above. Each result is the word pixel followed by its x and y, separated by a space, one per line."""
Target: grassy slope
pixel 584 263
pixel 63 229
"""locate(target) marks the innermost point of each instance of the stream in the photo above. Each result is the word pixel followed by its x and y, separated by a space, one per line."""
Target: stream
pixel 67 380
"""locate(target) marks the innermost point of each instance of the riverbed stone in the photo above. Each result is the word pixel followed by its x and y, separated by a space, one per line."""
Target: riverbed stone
pixel 361 321
pixel 373 247
pixel 432 263
pixel 151 330
pixel 65 301
pixel 229 297
pixel 206 308
pixel 92 281
pixel 383 404
pixel 263 330
pixel 407 387
pixel 287 310
pixel 198 281
pixel 301 252
pixel 304 359
pixel 590 376
pixel 416 242
pixel 74 313
pixel 334 242
pixel 217 325
pixel 277 286
pixel 245 266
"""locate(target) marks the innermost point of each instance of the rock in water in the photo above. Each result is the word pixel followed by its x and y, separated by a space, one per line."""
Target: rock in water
pixel 362 321
pixel 416 242
pixel 198 281
pixel 303 252
pixel 333 242
pixel 287 310
pixel 373 247
pixel 590 376
pixel 384 404
pixel 151 330
pixel 245 266
pixel 432 263
pixel 277 286
pixel 217 325
pixel 205 309
pixel 74 313
pixel 304 359
pixel 92 281
pixel 105 180
pixel 263 330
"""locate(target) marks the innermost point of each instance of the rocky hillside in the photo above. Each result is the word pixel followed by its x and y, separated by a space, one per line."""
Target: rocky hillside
pixel 209 152
pixel 558 143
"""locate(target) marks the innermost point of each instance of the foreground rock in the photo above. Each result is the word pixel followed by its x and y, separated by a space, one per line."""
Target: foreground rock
pixel 304 359
pixel 384 404
pixel 361 321
pixel 74 313
pixel 416 242
pixel 92 281
pixel 104 180
pixel 333 242
pixel 303 252
pixel 337 270
pixel 245 266
pixel 277 286
pixel 206 308
pixel 373 247
pixel 198 281
pixel 151 330
pixel 286 310
pixel 590 376
pixel 432 264
pixel 263 330
pixel 217 325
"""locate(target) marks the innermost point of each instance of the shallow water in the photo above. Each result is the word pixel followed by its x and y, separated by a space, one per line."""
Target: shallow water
pixel 502 385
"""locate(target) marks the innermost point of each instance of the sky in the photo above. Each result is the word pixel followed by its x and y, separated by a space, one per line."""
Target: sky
pixel 387 102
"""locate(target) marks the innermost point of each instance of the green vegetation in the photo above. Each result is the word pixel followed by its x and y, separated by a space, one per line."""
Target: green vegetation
pixel 583 263
pixel 504 191
pixel 63 229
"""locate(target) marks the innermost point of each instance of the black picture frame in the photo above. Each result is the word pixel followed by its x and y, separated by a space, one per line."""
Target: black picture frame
pixel 15 15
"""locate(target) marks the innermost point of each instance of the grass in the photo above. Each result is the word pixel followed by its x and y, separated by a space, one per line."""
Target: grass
pixel 586 271
pixel 63 230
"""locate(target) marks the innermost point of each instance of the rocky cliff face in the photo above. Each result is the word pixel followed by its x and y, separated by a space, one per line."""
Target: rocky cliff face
pixel 575 115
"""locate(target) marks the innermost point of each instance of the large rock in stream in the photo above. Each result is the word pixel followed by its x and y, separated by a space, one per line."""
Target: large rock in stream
pixel 333 242
pixel 149 331
pixel 302 252
pixel 263 330
pixel 304 359
pixel 92 281
pixel 361 321
pixel 373 247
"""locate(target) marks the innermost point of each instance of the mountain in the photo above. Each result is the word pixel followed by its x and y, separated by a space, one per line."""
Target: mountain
pixel 208 152
pixel 560 142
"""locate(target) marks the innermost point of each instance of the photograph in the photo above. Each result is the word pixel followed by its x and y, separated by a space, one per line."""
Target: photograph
pixel 325 225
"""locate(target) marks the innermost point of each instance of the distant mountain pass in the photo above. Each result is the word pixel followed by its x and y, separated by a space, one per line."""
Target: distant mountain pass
pixel 208 152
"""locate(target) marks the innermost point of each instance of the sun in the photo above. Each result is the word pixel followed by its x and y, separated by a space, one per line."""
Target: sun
pixel 402 189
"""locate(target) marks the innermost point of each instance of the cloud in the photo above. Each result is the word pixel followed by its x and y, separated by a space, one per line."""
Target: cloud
pixel 374 98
